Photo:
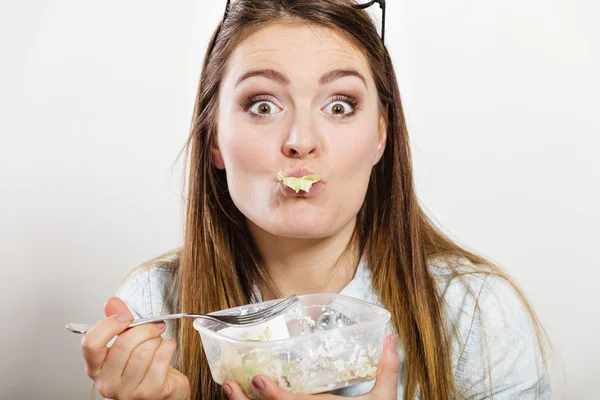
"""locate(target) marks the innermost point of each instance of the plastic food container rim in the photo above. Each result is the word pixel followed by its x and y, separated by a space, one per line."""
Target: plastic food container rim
pixel 383 319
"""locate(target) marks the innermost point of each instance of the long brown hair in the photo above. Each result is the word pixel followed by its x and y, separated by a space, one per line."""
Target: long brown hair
pixel 219 263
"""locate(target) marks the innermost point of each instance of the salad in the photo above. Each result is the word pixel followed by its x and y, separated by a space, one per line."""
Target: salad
pixel 323 363
pixel 314 374
pixel 328 341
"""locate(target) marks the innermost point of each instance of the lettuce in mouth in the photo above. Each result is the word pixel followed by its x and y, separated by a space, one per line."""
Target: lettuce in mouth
pixel 298 184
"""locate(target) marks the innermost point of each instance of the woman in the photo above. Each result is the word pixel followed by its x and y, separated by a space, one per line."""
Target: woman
pixel 302 87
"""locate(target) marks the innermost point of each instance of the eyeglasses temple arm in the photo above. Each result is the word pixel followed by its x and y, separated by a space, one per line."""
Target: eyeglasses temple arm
pixel 382 6
pixel 226 10
pixel 359 6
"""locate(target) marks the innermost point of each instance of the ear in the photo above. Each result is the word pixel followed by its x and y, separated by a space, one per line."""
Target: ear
pixel 381 138
pixel 217 157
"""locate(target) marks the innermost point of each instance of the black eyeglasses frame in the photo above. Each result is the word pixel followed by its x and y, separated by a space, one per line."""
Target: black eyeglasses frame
pixel 358 6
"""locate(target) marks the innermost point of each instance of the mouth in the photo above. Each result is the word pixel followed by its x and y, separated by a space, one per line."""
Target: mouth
pixel 300 182
pixel 313 191
pixel 297 173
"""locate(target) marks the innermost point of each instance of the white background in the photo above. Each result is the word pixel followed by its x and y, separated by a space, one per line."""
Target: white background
pixel 96 97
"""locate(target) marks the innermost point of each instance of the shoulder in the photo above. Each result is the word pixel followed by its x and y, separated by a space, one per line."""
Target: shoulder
pixel 467 289
pixel 494 337
pixel 463 287
pixel 145 288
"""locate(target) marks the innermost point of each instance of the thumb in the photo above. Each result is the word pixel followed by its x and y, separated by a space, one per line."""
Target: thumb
pixel 178 384
pixel 115 305
pixel 386 384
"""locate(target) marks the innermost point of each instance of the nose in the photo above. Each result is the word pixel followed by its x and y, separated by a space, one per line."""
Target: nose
pixel 302 140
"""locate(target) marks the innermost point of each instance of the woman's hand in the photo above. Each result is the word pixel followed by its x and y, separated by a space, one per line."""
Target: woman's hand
pixel 386 386
pixel 138 364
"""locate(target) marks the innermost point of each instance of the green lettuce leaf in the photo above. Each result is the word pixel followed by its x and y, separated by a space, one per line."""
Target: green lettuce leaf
pixel 298 184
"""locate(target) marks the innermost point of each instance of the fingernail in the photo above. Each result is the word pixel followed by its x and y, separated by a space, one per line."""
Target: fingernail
pixel 393 343
pixel 227 390
pixel 258 383
pixel 123 318
pixel 160 325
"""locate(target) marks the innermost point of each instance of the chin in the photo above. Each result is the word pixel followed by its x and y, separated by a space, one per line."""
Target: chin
pixel 308 233
pixel 302 227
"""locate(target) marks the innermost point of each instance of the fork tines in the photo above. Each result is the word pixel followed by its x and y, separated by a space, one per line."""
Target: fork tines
pixel 276 308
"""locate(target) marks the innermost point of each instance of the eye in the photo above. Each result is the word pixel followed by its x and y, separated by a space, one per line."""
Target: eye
pixel 341 107
pixel 260 107
pixel 264 107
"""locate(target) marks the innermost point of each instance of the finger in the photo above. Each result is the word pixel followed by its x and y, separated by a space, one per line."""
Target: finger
pixel 121 350
pixel 138 364
pixel 156 375
pixel 93 343
pixel 269 390
pixel 386 385
pixel 115 305
pixel 233 391
pixel 177 385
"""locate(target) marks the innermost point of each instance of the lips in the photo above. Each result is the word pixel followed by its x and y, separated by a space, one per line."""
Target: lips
pixel 314 190
pixel 294 185
pixel 298 173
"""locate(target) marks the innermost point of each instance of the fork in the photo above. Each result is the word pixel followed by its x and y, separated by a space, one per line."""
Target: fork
pixel 251 319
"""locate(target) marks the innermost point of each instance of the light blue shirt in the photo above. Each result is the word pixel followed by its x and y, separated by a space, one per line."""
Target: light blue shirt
pixel 495 352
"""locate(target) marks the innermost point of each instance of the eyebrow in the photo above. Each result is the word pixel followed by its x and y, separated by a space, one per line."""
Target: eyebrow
pixel 280 78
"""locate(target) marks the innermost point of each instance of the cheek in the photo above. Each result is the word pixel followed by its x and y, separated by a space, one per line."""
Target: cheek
pixel 238 144
pixel 251 166
pixel 243 165
pixel 245 151
pixel 356 150
pixel 240 156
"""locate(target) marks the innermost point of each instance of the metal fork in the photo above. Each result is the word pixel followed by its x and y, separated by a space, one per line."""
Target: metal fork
pixel 255 318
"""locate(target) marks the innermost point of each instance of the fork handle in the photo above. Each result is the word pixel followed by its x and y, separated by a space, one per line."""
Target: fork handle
pixel 84 328
pixel 163 318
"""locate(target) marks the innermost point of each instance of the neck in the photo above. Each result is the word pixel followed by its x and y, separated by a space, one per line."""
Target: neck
pixel 302 266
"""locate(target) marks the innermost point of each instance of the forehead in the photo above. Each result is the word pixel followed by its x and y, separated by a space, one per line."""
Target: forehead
pixel 297 49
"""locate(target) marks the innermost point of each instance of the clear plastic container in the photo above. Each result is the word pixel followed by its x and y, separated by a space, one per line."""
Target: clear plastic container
pixel 327 342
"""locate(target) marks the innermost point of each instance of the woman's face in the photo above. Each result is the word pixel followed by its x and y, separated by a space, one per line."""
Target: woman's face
pixel 298 99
